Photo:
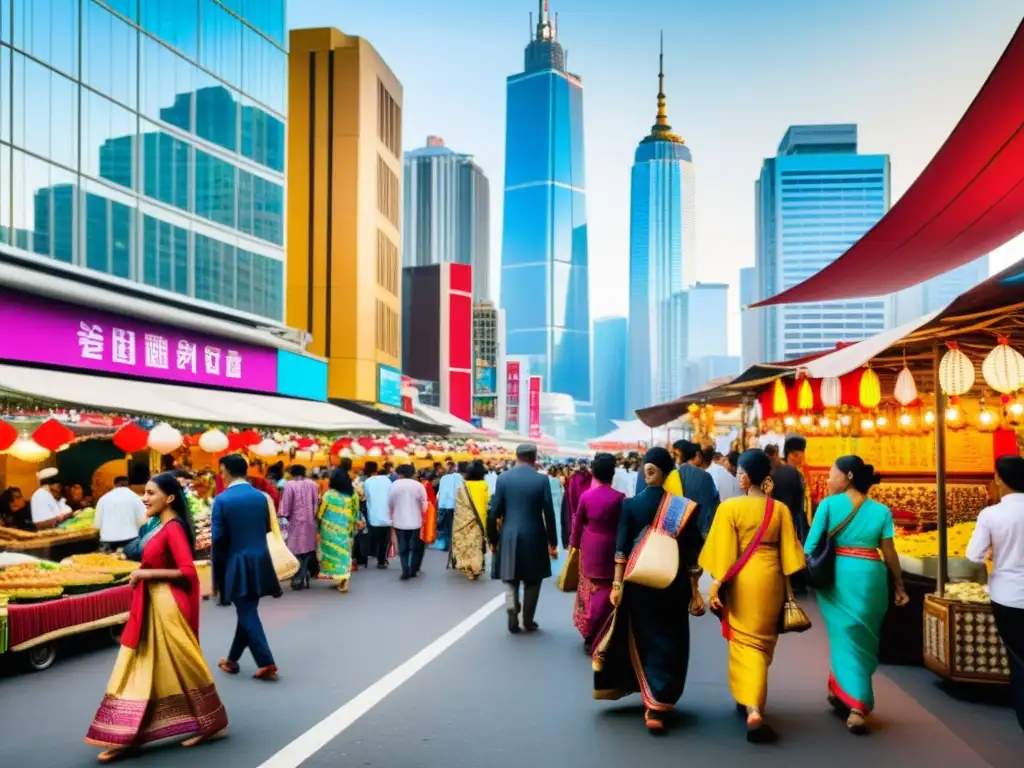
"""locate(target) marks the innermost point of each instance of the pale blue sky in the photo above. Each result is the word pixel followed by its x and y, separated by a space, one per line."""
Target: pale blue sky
pixel 738 72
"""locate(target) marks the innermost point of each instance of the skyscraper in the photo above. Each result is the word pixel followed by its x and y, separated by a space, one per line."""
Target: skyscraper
pixel 814 200
pixel 447 212
pixel 750 319
pixel 610 343
pixel 661 257
pixel 544 283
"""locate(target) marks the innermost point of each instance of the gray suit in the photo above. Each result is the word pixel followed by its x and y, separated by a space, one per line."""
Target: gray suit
pixel 522 503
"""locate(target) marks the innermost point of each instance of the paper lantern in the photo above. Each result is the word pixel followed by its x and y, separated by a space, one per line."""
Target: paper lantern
pixel 28 450
pixel 805 399
pixel 131 438
pixel 266 448
pixel 52 435
pixel 870 389
pixel 831 392
pixel 213 441
pixel 163 438
pixel 956 372
pixel 1003 368
pixel 905 391
pixel 341 444
pixel 8 435
pixel 307 444
pixel 375 451
pixel 780 400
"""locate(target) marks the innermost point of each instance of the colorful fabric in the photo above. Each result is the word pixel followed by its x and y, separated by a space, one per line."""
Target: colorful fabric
pixel 469 540
pixel 338 516
pixel 29 621
pixel 854 606
pixel 161 688
pixel 593 604
pixel 300 501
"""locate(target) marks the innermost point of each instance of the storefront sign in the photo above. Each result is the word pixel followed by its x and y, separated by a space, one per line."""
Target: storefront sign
pixel 301 376
pixel 71 336
pixel 535 407
pixel 389 386
pixel 966 451
pixel 512 396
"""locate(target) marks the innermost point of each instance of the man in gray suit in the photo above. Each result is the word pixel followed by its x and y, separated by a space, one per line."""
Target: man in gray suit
pixel 520 525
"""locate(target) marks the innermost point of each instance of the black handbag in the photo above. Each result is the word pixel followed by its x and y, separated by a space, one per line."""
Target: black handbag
pixel 821 563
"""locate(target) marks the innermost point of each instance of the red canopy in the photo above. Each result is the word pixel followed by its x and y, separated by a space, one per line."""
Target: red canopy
pixel 967 202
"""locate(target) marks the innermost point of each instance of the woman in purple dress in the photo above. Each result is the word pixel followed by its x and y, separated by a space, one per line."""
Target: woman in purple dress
pixel 593 535
pixel 300 501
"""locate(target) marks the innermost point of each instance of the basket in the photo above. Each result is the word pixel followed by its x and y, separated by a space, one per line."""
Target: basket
pixel 961 642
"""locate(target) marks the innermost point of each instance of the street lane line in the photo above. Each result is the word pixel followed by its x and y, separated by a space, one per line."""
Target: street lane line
pixel 332 726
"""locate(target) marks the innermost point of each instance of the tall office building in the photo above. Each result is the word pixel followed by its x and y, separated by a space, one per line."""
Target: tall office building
pixel 697 321
pixel 145 142
pixel 344 203
pixel 750 319
pixel 544 283
pixel 610 346
pixel 488 359
pixel 662 256
pixel 814 200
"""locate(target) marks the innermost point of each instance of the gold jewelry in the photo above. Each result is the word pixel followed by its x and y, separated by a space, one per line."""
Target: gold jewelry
pixel 617 585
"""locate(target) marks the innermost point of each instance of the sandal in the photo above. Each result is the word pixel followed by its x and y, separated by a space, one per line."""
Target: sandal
pixel 758 732
pixel 837 704
pixel 228 667
pixel 653 722
pixel 855 723
pixel 267 674
pixel 221 734
pixel 110 755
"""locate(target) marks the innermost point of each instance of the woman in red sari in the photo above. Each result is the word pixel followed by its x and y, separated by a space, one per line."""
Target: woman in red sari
pixel 161 687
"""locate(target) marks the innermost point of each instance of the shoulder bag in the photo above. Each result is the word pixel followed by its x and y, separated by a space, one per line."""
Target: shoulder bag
pixel 654 561
pixel 821 562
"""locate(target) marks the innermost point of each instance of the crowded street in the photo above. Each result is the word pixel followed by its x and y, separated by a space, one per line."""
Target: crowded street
pixel 425 673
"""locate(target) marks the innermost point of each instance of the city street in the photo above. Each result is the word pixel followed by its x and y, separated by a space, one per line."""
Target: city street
pixel 425 673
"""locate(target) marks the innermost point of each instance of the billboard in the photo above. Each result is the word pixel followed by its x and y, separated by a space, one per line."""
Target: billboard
pixel 534 407
pixel 512 371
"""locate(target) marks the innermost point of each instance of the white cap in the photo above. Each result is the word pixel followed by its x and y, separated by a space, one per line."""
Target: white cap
pixel 48 474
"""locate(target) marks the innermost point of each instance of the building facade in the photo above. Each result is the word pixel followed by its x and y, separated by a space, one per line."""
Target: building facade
pixel 750 330
pixel 488 358
pixel 447 212
pixel 611 341
pixel 662 257
pixel 144 142
pixel 544 262
pixel 697 322
pixel 814 200
pixel 344 209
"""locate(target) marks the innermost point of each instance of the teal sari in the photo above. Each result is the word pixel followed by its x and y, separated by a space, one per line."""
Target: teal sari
pixel 854 607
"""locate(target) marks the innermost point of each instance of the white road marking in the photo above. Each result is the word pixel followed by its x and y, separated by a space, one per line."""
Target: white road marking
pixel 332 726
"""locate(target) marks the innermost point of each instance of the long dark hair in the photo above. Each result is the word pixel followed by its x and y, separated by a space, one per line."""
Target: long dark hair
pixel 341 482
pixel 168 484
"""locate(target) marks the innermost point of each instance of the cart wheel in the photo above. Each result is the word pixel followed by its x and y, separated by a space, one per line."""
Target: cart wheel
pixel 42 656
pixel 115 633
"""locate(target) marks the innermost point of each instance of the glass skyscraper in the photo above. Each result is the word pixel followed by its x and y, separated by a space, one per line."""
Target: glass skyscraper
pixel 662 260
pixel 544 283
pixel 610 345
pixel 814 200
pixel 145 139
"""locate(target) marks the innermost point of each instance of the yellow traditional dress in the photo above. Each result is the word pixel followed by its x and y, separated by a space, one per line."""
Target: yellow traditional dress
pixel 753 598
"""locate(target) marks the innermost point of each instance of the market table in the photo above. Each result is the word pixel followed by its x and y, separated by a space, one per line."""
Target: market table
pixel 55 546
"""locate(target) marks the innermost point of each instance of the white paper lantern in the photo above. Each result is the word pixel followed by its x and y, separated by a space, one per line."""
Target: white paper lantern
pixel 1003 368
pixel 358 450
pixel 28 450
pixel 831 392
pixel 163 438
pixel 213 441
pixel 376 451
pixel 905 391
pixel 956 372
pixel 266 448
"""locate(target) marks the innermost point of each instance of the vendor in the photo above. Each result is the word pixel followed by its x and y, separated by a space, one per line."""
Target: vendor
pixel 75 498
pixel 119 516
pixel 48 508
pixel 14 510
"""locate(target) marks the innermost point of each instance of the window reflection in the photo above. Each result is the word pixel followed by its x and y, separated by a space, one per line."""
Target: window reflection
pixel 263 137
pixel 6 234
pixel 108 140
pixel 525 293
pixel 220 48
pixel 264 70
pixel 217 114
pixel 527 143
pixel 5 21
pixel 48 29
pixel 167 83
pixel 127 8
pixel 175 21
pixel 5 94
pixel 42 207
pixel 165 167
pixel 109 226
pixel 527 225
pixel 260 208
pixel 45 112
pixel 109 54
pixel 243 281
pixel 215 189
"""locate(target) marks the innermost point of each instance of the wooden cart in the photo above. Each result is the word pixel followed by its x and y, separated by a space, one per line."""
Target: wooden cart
pixel 961 642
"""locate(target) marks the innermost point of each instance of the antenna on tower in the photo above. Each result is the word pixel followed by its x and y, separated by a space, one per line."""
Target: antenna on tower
pixel 554 32
pixel 531 25
pixel 661 64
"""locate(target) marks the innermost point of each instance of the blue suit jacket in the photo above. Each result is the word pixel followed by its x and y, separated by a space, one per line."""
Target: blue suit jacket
pixel 242 567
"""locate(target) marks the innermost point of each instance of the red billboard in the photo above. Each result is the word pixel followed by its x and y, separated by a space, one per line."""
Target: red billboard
pixel 512 395
pixel 535 407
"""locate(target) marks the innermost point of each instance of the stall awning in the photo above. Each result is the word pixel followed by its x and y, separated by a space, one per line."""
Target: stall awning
pixel 968 201
pixel 445 419
pixel 191 404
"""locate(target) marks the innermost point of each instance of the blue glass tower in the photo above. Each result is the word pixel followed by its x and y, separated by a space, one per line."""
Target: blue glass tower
pixel 544 284
pixel 610 343
pixel 661 260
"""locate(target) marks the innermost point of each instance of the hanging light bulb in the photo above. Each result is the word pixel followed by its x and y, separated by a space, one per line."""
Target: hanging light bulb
pixel 789 421
pixel 929 418
pixel 867 425
pixel 824 422
pixel 846 420
pixel 28 450
pixel 987 420
pixel 806 420
pixel 882 421
pixel 1015 412
pixel 906 421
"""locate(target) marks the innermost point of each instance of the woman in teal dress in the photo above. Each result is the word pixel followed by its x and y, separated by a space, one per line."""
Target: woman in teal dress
pixel 855 605
pixel 338 521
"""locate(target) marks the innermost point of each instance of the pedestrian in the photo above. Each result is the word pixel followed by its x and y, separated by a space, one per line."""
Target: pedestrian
pixel 854 606
pixel 646 647
pixel 750 552
pixel 407 504
pixel 593 536
pixel 999 536
pixel 120 514
pixel 338 520
pixel 579 482
pixel 790 486
pixel 725 481
pixel 469 524
pixel 693 482
pixel 520 522
pixel 377 489
pixel 160 686
pixel 300 501
pixel 446 493
pixel 243 571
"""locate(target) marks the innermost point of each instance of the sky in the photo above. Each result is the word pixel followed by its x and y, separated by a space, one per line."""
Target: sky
pixel 738 73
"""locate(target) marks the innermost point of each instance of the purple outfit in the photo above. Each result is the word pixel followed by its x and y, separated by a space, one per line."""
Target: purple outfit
pixel 299 502
pixel 594 531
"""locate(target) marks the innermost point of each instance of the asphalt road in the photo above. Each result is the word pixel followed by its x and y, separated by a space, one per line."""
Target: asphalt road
pixel 491 699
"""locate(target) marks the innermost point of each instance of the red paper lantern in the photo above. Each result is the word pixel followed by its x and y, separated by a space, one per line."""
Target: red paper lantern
pixel 8 435
pixel 340 445
pixel 366 442
pixel 131 438
pixel 52 435
pixel 249 438
pixel 306 443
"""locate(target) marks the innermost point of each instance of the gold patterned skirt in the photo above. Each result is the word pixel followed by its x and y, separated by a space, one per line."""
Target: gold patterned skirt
pixel 162 688
pixel 468 541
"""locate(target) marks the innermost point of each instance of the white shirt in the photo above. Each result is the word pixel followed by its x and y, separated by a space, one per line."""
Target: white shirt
pixel 491 478
pixel 623 482
pixel 407 501
pixel 1001 528
pixel 119 515
pixel 377 490
pixel 44 506
pixel 727 485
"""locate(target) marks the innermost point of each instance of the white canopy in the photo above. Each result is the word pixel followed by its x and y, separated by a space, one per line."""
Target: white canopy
pixel 454 423
pixel 633 433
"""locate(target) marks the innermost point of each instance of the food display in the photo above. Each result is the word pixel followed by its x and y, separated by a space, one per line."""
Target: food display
pixel 84 520
pixel 47 539
pixel 961 642
pixel 967 592
pixel 920 500
pixel 204 537
pixel 101 563
pixel 927 544
pixel 76 573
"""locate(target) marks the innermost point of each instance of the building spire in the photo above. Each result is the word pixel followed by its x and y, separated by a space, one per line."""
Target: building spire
pixel 544 29
pixel 661 130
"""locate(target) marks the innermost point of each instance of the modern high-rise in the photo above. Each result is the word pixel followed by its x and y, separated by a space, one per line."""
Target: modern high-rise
pixel 143 141
pixel 446 216
pixel 544 283
pixel 662 257
pixel 750 332
pixel 610 346
pixel 936 293
pixel 344 210
pixel 488 359
pixel 814 200
pixel 697 322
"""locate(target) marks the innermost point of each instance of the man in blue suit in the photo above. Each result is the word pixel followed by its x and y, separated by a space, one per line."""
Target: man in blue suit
pixel 243 571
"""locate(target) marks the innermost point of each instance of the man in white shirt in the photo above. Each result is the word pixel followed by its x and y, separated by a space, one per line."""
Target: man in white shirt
pixel 48 511
pixel 407 503
pixel 447 488
pixel 621 481
pixel 999 536
pixel 119 516
pixel 377 488
pixel 727 485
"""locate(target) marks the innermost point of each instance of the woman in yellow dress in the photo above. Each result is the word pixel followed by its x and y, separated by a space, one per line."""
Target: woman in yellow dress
pixel 750 552
pixel 469 539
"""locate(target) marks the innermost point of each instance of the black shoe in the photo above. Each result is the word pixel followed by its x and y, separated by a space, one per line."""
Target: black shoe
pixel 381 566
pixel 531 626
pixel 404 577
pixel 513 622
